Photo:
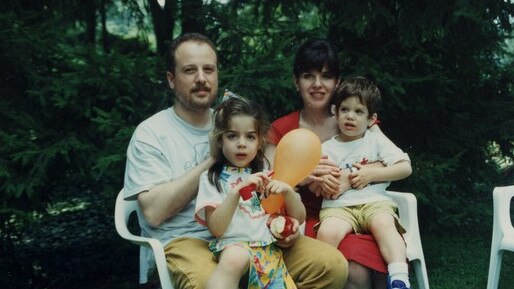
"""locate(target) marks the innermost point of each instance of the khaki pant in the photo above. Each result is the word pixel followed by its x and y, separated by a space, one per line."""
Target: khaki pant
pixel 312 264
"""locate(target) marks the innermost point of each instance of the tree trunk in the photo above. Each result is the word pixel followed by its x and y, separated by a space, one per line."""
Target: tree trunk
pixel 163 23
pixel 193 16
pixel 90 19
pixel 105 33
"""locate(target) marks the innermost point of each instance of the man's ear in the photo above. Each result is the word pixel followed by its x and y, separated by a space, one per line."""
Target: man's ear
pixel 372 119
pixel 171 80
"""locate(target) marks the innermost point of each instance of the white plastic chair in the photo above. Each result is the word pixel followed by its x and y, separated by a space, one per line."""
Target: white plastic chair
pixel 122 212
pixel 408 211
pixel 503 233
pixel 146 264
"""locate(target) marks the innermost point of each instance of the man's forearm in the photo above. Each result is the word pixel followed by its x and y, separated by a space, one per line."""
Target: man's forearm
pixel 165 200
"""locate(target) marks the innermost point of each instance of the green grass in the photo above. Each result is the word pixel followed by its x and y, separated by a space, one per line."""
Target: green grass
pixel 457 262
pixel 106 261
pixel 453 262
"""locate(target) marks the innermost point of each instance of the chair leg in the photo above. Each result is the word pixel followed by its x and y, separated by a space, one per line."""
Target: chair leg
pixel 495 264
pixel 421 273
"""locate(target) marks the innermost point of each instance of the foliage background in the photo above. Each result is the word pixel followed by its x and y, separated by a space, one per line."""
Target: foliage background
pixel 78 76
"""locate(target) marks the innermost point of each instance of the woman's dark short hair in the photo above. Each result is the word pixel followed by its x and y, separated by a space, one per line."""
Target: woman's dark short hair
pixel 314 54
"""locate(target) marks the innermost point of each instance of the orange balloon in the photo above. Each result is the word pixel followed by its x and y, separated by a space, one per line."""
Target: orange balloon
pixel 297 154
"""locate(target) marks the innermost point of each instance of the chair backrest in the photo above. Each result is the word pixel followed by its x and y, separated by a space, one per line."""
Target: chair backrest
pixel 501 200
pixel 503 233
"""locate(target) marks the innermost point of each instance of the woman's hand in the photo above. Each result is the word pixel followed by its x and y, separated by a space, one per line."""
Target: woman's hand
pixel 324 167
pixel 329 187
pixel 334 185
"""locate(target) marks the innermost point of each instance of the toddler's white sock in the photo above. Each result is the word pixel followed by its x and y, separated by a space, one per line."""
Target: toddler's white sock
pixel 399 271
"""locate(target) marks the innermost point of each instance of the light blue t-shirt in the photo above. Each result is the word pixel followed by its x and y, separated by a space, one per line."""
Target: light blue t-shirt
pixel 163 148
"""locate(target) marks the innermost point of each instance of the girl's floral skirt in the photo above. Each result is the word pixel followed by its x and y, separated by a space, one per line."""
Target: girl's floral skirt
pixel 267 267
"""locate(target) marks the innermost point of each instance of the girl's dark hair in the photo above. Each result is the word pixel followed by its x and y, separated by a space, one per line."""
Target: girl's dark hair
pixel 362 88
pixel 314 54
pixel 229 108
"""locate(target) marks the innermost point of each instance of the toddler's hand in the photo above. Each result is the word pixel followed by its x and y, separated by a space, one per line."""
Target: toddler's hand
pixel 362 177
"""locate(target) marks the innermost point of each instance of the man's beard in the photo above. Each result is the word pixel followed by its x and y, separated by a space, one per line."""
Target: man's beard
pixel 192 104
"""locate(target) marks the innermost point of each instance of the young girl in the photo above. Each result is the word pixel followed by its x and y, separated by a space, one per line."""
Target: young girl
pixel 244 245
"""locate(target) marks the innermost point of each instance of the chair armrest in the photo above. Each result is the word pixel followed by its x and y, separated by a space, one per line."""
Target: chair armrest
pixel 122 211
pixel 408 211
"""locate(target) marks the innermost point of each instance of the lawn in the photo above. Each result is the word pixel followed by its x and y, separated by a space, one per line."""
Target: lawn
pixel 458 262
pixel 81 249
pixel 453 262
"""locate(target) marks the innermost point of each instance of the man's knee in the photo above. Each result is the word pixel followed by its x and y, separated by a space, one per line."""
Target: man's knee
pixel 314 264
pixel 190 263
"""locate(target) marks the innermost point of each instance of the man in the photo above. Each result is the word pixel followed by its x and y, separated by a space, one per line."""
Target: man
pixel 165 158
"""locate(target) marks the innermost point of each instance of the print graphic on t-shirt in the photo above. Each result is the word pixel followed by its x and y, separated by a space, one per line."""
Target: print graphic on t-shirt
pixel 201 152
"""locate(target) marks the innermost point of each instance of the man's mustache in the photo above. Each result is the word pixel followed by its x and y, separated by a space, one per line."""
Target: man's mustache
pixel 200 88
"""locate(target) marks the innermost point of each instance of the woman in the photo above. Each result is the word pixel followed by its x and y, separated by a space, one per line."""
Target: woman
pixel 316 74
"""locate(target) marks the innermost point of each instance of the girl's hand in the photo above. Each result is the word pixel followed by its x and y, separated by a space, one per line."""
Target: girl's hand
pixel 291 239
pixel 259 180
pixel 277 187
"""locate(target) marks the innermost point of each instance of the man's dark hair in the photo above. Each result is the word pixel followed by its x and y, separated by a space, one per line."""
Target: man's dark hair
pixel 196 37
